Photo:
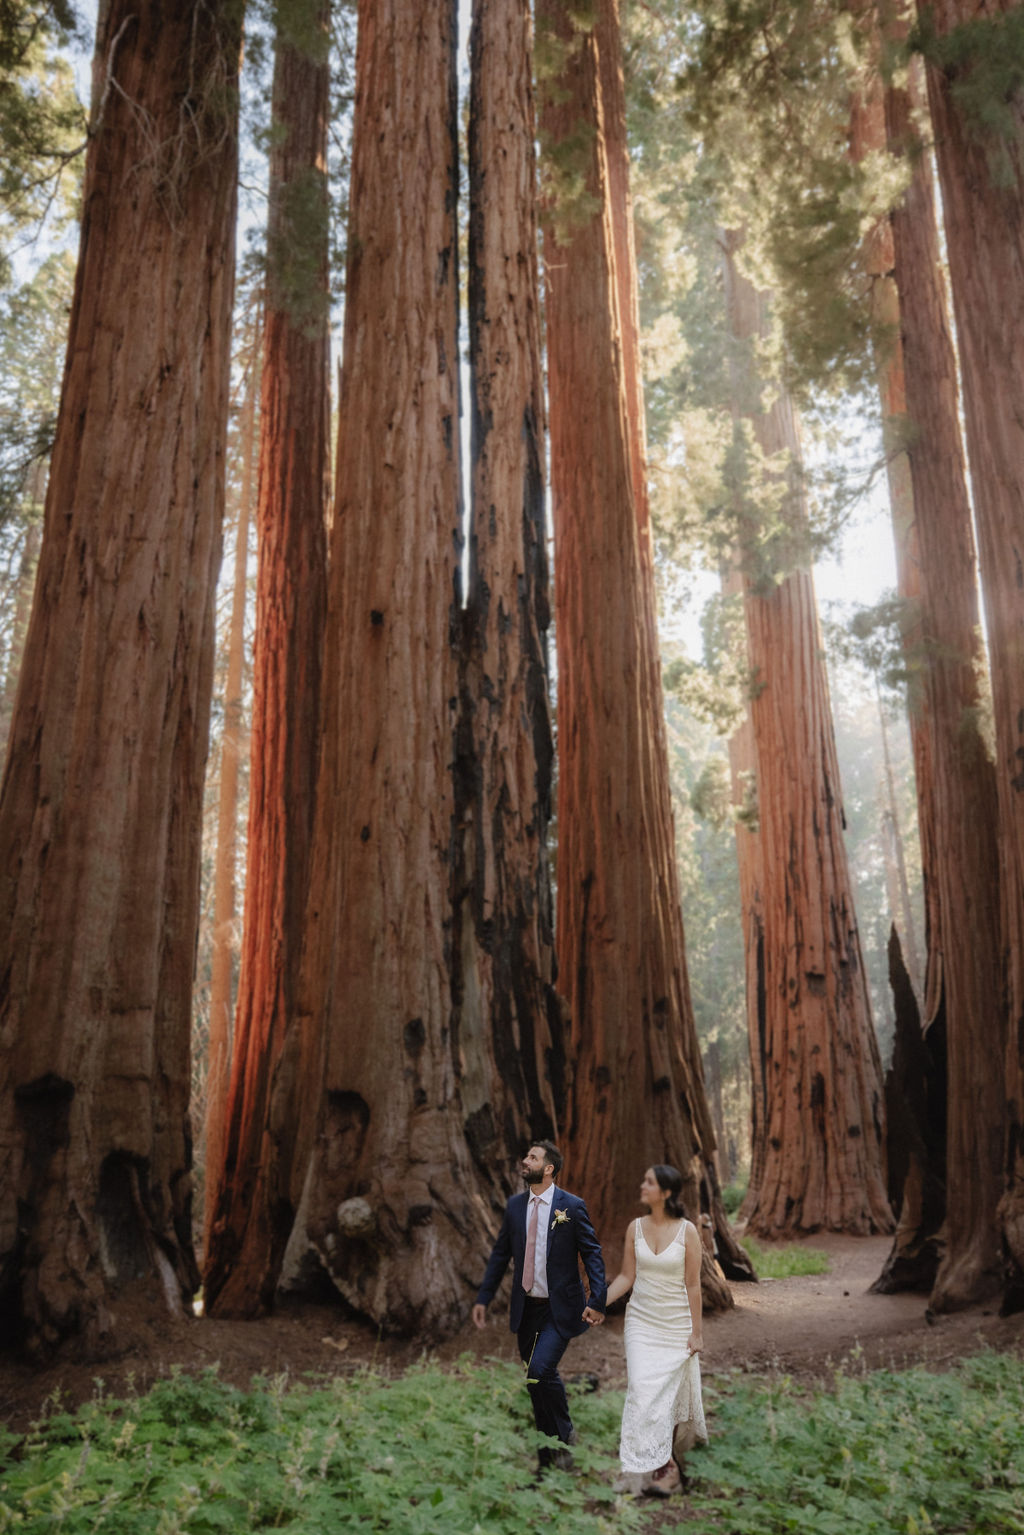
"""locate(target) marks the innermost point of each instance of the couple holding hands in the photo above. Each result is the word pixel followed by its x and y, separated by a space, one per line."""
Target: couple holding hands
pixel 545 1233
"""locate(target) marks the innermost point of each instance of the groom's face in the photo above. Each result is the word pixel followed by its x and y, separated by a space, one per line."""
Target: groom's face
pixel 533 1165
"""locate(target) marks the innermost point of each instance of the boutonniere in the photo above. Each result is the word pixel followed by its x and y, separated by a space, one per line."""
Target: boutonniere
pixel 560 1218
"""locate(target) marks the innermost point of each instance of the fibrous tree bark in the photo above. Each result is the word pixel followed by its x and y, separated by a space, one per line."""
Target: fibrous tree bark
pixel 981 171
pixel 225 904
pixel 638 1081
pixel 823 1122
pixel 253 1211
pixel 956 787
pixel 395 1205
pixel 100 807
pixel 509 1015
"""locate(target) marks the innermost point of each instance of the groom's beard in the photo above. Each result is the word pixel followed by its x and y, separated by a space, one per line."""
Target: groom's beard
pixel 532 1176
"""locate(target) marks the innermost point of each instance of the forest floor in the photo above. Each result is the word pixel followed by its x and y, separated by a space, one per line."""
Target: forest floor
pixel 802 1327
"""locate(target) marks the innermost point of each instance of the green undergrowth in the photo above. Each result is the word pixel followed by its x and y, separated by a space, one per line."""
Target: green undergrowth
pixel 432 1451
pixel 785 1262
pixel 885 1453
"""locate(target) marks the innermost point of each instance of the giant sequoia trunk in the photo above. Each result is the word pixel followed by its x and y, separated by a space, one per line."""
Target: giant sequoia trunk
pixel 955 777
pixel 101 801
pixel 395 1206
pixel 638 1092
pixel 821 1165
pixel 982 179
pixel 509 1015
pixel 252 1213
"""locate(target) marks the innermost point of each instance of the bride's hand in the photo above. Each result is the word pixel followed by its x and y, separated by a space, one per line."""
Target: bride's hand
pixel 696 1343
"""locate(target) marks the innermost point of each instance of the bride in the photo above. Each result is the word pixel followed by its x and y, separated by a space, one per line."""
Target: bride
pixel 663 1413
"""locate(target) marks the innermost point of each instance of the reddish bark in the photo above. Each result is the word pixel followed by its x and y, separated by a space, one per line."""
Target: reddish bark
pixel 394 1209
pixel 232 745
pixel 620 937
pixel 100 807
pixel 955 778
pixel 982 180
pixel 822 1162
pixel 510 1016
pixel 254 1214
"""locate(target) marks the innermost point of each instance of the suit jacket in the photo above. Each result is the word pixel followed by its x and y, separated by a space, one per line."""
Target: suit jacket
pixel 568 1241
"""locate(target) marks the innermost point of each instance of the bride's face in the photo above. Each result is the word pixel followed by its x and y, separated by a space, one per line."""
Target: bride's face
pixel 651 1194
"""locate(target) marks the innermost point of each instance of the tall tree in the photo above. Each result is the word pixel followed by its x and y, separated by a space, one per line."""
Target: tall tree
pixel 393 1205
pixel 956 786
pixel 100 802
pixel 638 1081
pixel 823 1121
pixel 974 91
pixel 507 1005
pixel 252 1215
pixel 225 880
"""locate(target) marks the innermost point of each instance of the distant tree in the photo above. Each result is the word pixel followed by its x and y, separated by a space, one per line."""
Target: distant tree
pixel 43 127
pixel 249 1212
pixel 101 798
pixel 638 1081
pixel 819 1073
pixel 33 335
pixel 233 746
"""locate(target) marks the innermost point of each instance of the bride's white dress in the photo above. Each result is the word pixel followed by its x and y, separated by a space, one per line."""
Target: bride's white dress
pixel 663 1376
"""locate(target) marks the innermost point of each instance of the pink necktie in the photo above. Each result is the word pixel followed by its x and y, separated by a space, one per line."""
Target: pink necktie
pixel 531 1245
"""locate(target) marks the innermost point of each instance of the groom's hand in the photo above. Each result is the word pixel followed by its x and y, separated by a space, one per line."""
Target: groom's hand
pixel 595 1318
pixel 479 1315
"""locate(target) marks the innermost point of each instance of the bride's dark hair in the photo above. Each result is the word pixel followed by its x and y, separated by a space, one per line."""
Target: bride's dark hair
pixel 670 1181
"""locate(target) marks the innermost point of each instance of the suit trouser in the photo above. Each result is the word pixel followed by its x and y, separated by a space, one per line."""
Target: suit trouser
pixel 541 1347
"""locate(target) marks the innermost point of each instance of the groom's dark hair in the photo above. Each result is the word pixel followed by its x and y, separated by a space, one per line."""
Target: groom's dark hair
pixel 551 1154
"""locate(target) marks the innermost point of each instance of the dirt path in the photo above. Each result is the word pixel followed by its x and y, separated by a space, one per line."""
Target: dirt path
pixel 804 1327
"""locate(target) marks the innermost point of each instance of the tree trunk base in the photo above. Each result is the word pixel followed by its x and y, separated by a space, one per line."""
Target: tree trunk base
pixel 909 1270
pixel 966 1281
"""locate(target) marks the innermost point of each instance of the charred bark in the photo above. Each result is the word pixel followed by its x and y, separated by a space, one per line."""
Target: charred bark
pixel 253 1212
pixel 100 806
pixel 915 1103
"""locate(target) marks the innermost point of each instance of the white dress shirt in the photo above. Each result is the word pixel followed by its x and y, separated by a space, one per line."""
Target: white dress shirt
pixel 540 1261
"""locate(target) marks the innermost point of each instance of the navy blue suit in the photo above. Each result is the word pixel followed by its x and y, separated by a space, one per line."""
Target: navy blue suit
pixel 543 1327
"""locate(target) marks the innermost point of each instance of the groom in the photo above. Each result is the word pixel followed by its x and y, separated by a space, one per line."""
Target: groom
pixel 545 1232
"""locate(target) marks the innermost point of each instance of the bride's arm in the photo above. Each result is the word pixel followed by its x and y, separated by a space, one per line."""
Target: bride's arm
pixel 623 1280
pixel 691 1278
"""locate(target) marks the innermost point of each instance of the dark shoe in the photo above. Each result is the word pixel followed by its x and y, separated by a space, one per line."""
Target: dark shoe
pixel 665 1481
